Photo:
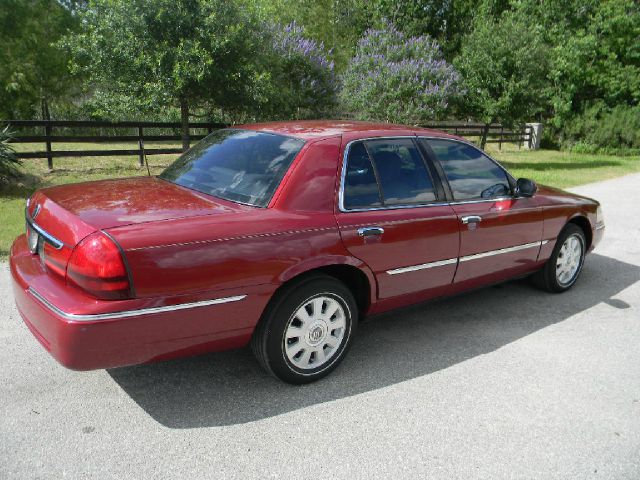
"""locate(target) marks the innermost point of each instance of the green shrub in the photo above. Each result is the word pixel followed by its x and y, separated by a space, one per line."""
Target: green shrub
pixel 599 129
pixel 8 161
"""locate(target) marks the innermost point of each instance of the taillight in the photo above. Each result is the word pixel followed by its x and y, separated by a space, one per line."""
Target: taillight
pixel 97 267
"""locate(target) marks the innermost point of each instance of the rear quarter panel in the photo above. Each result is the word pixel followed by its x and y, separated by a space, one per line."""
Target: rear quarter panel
pixel 253 246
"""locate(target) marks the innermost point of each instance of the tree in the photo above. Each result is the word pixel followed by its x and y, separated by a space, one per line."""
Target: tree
pixel 504 66
pixel 598 62
pixel 397 78
pixel 33 72
pixel 302 76
pixel 444 20
pixel 199 55
pixel 181 53
pixel 337 24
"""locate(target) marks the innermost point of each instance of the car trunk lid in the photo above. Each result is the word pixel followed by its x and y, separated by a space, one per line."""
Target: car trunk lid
pixel 71 212
pixel 59 218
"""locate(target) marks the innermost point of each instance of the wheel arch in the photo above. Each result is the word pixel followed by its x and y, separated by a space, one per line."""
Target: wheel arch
pixel 355 275
pixel 584 224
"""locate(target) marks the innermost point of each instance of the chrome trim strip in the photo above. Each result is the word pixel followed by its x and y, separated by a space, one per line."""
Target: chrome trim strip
pixel 394 207
pixel 423 266
pixel 498 199
pixel 500 251
pixel 600 226
pixel 53 241
pixel 130 313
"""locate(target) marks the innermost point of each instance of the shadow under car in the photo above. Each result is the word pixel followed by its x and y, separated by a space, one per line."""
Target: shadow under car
pixel 230 388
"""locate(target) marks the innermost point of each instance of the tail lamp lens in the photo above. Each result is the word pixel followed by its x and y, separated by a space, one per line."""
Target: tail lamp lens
pixel 97 267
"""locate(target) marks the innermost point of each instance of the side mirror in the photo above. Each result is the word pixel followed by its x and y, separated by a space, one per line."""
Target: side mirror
pixel 526 187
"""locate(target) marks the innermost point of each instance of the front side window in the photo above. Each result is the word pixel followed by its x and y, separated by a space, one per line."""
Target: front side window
pixel 471 174
pixel 242 166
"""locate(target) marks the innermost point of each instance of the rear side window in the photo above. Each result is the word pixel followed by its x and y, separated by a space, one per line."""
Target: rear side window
pixel 471 174
pixel 402 172
pixel 386 172
pixel 360 185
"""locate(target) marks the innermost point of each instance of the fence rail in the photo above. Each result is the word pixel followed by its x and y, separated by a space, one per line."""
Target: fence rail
pixel 49 139
pixel 495 133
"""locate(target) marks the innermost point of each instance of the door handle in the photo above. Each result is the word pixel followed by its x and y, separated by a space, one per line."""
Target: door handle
pixel 471 219
pixel 367 231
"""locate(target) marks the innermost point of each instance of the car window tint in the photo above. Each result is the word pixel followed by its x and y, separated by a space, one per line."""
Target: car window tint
pixel 243 166
pixel 471 174
pixel 403 175
pixel 360 185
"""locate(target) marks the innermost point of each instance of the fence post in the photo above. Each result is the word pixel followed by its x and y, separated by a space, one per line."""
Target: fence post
pixel 534 132
pixel 47 133
pixel 141 146
pixel 500 140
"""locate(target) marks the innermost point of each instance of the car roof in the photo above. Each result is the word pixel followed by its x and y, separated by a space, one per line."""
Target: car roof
pixel 319 129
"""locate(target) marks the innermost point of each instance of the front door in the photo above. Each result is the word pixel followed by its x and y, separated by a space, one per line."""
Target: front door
pixel 393 216
pixel 500 234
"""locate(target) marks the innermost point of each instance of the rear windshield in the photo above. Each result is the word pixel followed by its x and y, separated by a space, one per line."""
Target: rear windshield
pixel 243 166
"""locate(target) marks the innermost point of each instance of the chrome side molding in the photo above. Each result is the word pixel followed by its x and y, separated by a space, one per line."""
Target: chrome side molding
pixel 466 258
pixel 422 266
pixel 130 313
pixel 500 251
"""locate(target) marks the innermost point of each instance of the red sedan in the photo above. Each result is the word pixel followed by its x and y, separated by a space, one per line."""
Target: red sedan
pixel 283 235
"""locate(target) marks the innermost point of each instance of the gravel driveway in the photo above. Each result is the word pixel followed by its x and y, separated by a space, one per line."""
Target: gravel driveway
pixel 507 382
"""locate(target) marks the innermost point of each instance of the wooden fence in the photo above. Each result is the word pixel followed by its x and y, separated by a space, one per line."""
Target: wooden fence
pixel 57 131
pixel 50 132
pixel 496 133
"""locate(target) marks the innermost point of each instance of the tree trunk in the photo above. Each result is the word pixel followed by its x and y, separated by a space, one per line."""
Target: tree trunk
pixel 45 108
pixel 485 132
pixel 184 120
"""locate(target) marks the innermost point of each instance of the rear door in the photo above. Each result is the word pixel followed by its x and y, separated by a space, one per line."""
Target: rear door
pixel 393 216
pixel 500 234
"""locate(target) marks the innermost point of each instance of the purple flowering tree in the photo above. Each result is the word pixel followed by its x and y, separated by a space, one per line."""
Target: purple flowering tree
pixel 303 82
pixel 399 79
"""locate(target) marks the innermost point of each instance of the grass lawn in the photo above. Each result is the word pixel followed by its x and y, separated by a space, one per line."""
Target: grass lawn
pixel 559 169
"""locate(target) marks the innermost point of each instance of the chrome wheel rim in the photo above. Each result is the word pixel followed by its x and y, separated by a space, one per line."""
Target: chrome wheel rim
pixel 569 260
pixel 315 332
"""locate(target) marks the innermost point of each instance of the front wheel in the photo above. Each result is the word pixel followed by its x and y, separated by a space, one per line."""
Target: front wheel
pixel 562 269
pixel 307 330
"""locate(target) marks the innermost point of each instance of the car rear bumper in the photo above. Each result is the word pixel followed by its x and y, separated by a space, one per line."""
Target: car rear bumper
pixel 83 333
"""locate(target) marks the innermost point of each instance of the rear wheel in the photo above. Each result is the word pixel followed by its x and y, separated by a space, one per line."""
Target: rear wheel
pixel 307 330
pixel 562 269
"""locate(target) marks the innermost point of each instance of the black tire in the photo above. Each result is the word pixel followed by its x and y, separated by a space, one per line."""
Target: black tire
pixel 547 278
pixel 271 334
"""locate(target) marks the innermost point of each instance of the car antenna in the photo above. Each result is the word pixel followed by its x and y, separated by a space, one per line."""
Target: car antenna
pixel 144 155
